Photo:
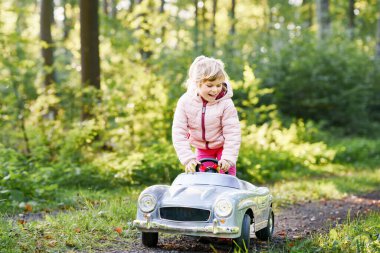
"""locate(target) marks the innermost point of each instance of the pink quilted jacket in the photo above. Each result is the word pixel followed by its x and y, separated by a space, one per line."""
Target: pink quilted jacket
pixel 206 125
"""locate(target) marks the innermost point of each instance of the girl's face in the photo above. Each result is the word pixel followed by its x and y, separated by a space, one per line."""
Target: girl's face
pixel 210 90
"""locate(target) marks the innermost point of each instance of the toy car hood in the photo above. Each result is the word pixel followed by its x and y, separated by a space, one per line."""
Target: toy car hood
pixel 199 189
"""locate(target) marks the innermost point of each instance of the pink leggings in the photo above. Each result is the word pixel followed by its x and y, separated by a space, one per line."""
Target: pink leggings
pixel 215 154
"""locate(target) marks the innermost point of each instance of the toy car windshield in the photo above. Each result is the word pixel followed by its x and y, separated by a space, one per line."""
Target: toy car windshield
pixel 201 178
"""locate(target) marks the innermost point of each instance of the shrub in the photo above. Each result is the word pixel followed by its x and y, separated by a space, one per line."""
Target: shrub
pixel 271 152
pixel 21 180
pixel 155 164
pixel 331 81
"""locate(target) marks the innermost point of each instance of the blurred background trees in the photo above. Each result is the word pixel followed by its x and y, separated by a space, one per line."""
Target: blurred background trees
pixel 96 107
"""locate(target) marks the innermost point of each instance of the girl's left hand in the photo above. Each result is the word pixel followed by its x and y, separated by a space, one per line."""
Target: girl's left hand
pixel 224 165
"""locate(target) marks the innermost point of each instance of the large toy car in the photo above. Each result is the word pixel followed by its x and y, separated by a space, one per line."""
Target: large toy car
pixel 206 205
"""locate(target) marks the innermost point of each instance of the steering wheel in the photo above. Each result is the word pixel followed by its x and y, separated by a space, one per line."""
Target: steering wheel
pixel 210 169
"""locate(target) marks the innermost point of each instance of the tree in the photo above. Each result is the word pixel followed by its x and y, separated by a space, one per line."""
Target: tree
pixel 89 36
pixel 196 26
pixel 162 6
pixel 68 19
pixel 232 17
pixel 46 20
pixel 113 8
pixel 378 35
pixel 323 17
pixel 307 7
pixel 351 18
pixel 105 7
pixel 213 23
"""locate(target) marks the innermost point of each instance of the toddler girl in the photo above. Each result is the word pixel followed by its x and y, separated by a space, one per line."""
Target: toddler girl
pixel 206 118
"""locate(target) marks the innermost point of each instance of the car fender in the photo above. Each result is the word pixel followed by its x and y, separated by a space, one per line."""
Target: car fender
pixel 157 191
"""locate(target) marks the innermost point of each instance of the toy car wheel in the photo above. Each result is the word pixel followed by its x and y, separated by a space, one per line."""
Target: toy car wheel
pixel 243 241
pixel 149 239
pixel 266 233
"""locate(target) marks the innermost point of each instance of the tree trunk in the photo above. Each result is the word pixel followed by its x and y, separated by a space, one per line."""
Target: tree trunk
pixel 163 28
pixel 196 27
pixel 46 20
pixel 162 6
pixel 113 8
pixel 351 19
pixel 89 35
pixel 378 37
pixel 232 17
pixel 323 17
pixel 66 23
pixel 203 28
pixel 307 8
pixel 105 7
pixel 213 24
pixel 131 6
pixel 68 20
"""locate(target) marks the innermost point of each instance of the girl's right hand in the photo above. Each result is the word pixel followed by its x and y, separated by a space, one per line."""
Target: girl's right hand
pixel 190 166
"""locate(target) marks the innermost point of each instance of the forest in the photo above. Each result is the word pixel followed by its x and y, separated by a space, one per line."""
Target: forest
pixel 89 88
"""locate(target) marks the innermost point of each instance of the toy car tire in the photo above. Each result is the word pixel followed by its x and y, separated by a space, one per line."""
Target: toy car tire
pixel 149 239
pixel 266 233
pixel 243 241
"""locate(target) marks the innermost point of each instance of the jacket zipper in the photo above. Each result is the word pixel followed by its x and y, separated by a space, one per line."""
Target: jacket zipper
pixel 203 123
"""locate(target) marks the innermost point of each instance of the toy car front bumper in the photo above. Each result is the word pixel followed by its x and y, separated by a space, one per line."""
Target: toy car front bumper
pixel 213 230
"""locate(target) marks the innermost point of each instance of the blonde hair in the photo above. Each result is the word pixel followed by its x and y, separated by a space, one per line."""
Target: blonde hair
pixel 205 69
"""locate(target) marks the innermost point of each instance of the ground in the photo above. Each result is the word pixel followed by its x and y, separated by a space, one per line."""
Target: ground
pixel 295 222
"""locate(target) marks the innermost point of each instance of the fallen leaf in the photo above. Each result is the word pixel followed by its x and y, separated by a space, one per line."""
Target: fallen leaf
pixel 28 208
pixel 52 243
pixel 70 244
pixel 21 221
pixel 47 237
pixel 119 230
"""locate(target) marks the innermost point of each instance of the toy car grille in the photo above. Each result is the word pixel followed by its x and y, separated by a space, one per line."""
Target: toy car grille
pixel 184 214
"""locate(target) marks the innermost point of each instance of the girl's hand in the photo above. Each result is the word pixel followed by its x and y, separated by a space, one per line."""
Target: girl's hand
pixel 224 165
pixel 190 166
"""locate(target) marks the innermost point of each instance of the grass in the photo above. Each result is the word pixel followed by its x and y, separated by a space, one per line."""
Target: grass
pixel 103 219
pixel 97 220
pixel 360 235
pixel 333 187
pixel 88 220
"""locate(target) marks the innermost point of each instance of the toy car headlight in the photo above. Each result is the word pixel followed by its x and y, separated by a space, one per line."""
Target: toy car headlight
pixel 147 203
pixel 223 208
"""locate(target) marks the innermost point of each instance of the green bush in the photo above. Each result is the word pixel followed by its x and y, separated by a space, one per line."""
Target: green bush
pixel 329 81
pixel 272 152
pixel 21 180
pixel 357 151
pixel 151 165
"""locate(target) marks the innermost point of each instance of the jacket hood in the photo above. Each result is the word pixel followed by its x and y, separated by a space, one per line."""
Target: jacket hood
pixel 192 91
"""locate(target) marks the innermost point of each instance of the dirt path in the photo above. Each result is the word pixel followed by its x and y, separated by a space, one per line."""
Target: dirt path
pixel 295 222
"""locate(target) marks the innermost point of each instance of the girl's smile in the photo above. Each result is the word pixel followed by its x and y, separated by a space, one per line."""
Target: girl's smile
pixel 209 90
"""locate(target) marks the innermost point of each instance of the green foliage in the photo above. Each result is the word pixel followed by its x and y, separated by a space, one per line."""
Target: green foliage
pixel 329 81
pixel 271 152
pixel 155 164
pixel 357 151
pixel 7 243
pixel 21 180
